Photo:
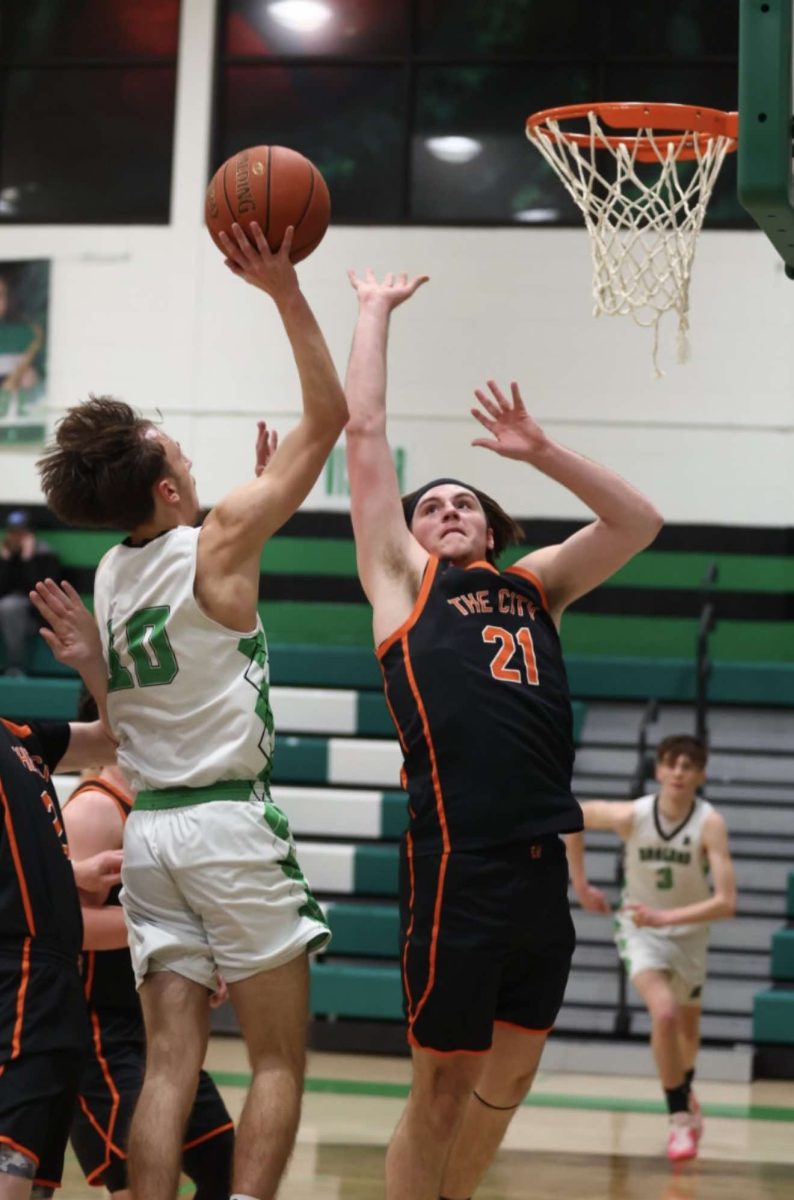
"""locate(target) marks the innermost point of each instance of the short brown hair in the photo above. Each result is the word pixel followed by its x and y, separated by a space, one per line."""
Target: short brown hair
pixel 101 469
pixel 670 748
pixel 506 531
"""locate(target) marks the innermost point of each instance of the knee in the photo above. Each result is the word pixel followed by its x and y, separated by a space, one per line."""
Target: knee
pixel 664 1014
pixel 440 1103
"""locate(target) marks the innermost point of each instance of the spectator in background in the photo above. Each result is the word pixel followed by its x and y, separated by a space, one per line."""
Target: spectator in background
pixel 24 560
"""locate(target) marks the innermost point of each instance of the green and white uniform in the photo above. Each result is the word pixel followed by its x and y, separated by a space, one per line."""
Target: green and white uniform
pixel 666 868
pixel 211 881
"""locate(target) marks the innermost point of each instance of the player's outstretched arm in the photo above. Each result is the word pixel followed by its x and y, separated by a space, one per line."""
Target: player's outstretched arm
pixel 722 902
pixel 616 816
pixel 385 550
pixel 250 514
pixel 626 522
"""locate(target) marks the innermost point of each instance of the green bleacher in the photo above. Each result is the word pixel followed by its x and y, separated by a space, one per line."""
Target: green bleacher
pixel 773 1008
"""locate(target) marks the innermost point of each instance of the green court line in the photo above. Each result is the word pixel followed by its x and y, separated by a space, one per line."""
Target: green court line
pixel 362 1087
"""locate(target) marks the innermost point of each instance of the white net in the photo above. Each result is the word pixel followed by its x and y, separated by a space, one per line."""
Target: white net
pixel 643 217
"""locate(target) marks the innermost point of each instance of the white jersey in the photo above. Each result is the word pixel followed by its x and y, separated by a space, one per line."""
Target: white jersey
pixel 664 867
pixel 188 698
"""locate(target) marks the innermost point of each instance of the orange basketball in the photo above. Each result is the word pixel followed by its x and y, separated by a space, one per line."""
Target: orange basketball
pixel 276 187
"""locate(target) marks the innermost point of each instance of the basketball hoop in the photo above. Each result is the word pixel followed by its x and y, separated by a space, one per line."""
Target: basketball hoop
pixel 643 220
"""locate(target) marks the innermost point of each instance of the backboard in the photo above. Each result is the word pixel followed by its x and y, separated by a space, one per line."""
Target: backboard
pixel 766 120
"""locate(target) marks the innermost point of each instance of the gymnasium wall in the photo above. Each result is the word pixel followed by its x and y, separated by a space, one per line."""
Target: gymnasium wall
pixel 152 315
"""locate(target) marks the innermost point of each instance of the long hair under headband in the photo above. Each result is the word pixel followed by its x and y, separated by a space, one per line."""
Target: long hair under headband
pixel 506 531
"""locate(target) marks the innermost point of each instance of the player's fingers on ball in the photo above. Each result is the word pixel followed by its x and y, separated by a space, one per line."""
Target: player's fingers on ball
pixel 286 244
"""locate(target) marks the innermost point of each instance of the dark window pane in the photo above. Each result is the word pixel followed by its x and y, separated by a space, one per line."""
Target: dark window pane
pixel 674 28
pixel 713 85
pixel 499 176
pixel 348 120
pixel 491 27
pixel 88 146
pixel 315 27
pixel 33 30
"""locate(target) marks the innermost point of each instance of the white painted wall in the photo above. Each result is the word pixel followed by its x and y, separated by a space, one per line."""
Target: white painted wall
pixel 152 315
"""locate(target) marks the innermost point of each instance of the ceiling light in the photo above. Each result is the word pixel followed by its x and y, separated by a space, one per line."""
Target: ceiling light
pixel 454 149
pixel 300 16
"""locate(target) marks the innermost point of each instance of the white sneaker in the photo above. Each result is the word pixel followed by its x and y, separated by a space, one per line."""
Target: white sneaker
pixel 682 1142
pixel 696 1115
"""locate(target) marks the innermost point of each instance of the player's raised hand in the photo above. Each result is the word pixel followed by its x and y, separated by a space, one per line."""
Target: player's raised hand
pixel 266 446
pixel 513 432
pixel 390 291
pixel 72 635
pixel 250 258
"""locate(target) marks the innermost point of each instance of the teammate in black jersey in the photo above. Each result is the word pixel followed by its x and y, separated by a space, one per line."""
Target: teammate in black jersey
pixel 475 680
pixel 43 1026
pixel 94 816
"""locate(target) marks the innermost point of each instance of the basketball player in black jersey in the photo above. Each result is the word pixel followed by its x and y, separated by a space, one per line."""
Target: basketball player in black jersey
pixel 94 816
pixel 43 1028
pixel 476 684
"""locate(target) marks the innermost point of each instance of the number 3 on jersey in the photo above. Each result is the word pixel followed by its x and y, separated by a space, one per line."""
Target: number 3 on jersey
pixel 150 650
pixel 506 642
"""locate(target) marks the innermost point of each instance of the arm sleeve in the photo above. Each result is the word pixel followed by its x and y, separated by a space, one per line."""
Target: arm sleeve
pixel 50 739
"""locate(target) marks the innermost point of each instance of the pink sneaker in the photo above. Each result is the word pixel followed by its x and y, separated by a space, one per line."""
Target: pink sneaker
pixel 696 1115
pixel 682 1142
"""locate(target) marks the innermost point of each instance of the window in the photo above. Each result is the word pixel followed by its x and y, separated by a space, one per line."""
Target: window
pixel 87 114
pixel 414 109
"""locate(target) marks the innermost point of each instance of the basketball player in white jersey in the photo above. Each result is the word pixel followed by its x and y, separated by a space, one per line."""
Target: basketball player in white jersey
pixel 673 839
pixel 211 883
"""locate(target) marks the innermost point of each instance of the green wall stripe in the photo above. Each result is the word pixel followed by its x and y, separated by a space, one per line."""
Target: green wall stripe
pixel 372 715
pixel 336 556
pixel 582 633
pixel 394 814
pixel 397 1091
pixel 300 760
pixel 375 870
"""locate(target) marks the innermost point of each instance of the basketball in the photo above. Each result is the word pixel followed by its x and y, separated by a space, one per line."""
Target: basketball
pixel 276 187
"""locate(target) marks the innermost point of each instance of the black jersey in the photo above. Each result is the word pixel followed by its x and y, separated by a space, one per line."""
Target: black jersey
pixel 108 978
pixel 38 897
pixel 477 688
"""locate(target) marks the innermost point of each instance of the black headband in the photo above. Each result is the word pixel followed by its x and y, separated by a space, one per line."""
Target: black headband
pixel 409 505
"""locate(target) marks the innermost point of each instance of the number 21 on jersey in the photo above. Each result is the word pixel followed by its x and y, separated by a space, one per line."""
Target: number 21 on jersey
pixel 505 641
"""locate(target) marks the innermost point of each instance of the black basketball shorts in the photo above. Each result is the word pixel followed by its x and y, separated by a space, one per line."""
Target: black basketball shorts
pixel 486 937
pixel 109 1088
pixel 37 1101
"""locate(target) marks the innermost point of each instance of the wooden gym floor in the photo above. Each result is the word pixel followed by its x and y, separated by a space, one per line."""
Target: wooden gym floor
pixel 582 1137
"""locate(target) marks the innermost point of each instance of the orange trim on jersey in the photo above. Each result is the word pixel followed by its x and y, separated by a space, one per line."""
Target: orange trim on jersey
pixel 205 1137
pixel 122 802
pixel 16 1039
pixel 416 611
pixel 47 1183
pixel 20 731
pixel 442 1053
pixel 392 714
pixel 22 1149
pixel 409 849
pixel 89 975
pixel 482 565
pixel 17 859
pixel 442 821
pixel 533 579
pixel 521 1028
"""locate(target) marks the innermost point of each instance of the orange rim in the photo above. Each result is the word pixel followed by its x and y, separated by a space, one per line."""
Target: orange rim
pixel 689 126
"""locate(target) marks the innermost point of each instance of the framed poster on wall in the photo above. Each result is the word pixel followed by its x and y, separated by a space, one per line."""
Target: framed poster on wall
pixel 24 301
